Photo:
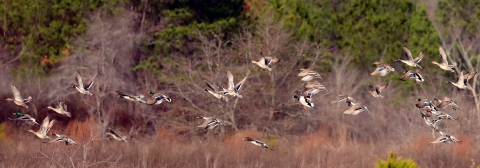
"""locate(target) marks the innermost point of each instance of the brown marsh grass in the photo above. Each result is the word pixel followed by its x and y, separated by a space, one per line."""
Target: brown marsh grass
pixel 168 149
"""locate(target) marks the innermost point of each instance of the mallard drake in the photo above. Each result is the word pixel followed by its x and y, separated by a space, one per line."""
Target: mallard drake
pixel 68 141
pixel 61 109
pixel 446 139
pixel 157 99
pixel 265 62
pixel 215 91
pixel 233 89
pixel 410 61
pixel 444 64
pixel 446 102
pixel 304 100
pixel 83 89
pixel 24 117
pixel 462 82
pixel 17 98
pixel 115 135
pixel 131 97
pixel 44 128
pixel 345 98
pixel 376 90
pixel 356 109
pixel 425 104
pixel 257 142
pixel 416 75
pixel 382 69
pixel 209 123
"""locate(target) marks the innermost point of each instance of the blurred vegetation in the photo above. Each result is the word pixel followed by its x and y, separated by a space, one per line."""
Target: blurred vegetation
pixel 368 29
pixel 175 25
pixel 45 28
pixel 460 22
pixel 394 162
pixel 3 132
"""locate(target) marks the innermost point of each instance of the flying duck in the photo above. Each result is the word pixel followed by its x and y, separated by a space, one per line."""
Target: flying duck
pixel 209 122
pixel 257 142
pixel 83 89
pixel 410 61
pixel 444 64
pixel 44 128
pixel 376 90
pixel 131 97
pixel 61 109
pixel 17 98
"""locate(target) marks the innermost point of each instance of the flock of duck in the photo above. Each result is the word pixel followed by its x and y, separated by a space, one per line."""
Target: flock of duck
pixel 428 110
pixel 61 109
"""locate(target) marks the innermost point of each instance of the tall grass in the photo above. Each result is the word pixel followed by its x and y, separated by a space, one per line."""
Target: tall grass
pixel 168 149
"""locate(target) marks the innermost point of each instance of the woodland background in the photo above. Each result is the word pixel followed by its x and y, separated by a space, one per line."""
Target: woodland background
pixel 170 46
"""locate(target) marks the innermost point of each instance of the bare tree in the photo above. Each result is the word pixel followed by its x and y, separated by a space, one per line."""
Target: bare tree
pixel 459 40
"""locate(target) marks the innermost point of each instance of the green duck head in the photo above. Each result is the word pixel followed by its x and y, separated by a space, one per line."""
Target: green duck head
pixel 419 99
pixel 18 114
pixel 151 92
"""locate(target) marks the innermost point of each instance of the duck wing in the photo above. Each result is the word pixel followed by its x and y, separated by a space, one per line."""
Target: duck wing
pixel 442 104
pixel 69 141
pixel 90 82
pixel 460 77
pixel 377 70
pixel 79 79
pixel 113 132
pixel 16 94
pixel 406 76
pixel 64 106
pixel 50 125
pixel 379 88
pixel 231 85
pixel 469 76
pixel 59 138
pixel 342 98
pixel 305 72
pixel 443 55
pixel 263 61
pixel 355 109
pixel 214 89
pixel 419 77
pixel 313 91
pixel 440 139
pixel 207 122
pixel 239 85
pixel 407 53
pixel 270 60
pixel 153 99
pixel 44 125
pixel 419 58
